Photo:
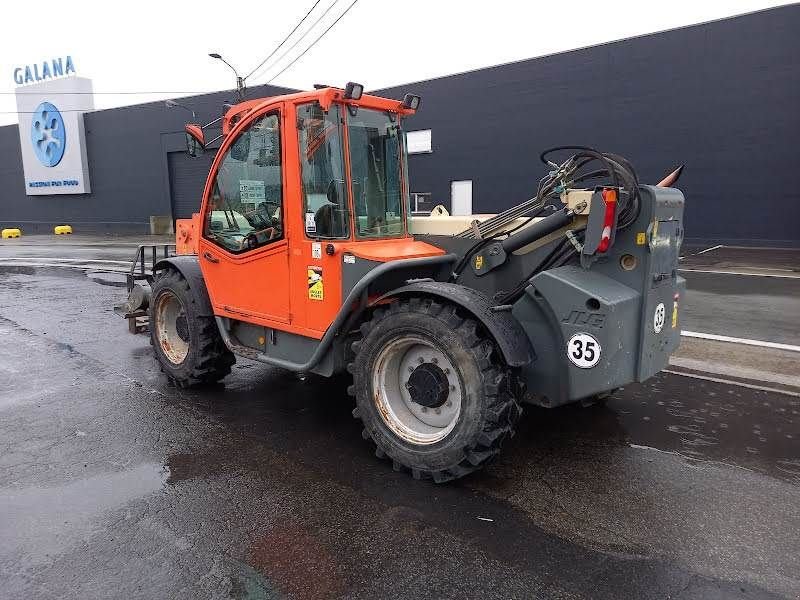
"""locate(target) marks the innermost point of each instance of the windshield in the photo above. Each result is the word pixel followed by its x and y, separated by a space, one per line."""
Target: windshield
pixel 375 163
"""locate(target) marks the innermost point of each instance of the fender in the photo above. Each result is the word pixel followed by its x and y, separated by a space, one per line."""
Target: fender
pixel 188 266
pixel 503 327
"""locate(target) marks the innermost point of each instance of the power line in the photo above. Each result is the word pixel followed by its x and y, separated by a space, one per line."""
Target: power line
pixel 302 37
pixel 284 40
pixel 352 4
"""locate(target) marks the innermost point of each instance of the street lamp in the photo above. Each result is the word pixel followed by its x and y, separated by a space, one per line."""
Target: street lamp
pixel 240 89
pixel 174 104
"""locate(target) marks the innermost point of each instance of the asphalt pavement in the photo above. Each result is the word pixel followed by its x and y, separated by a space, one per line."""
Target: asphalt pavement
pixel 115 485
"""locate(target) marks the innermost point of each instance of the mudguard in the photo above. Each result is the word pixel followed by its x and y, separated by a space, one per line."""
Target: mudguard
pixel 188 266
pixel 503 327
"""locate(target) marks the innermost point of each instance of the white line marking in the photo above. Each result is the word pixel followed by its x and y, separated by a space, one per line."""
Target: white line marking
pixel 751 386
pixel 66 260
pixel 735 340
pixel 710 249
pixel 739 273
pixel 79 267
pixel 486 519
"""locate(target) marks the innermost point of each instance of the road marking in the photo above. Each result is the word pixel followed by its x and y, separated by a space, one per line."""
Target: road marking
pixel 66 260
pixel 751 386
pixel 94 268
pixel 702 251
pixel 745 341
pixel 739 273
pixel 710 249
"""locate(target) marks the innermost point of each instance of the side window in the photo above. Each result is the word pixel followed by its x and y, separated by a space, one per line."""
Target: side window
pixel 325 207
pixel 245 210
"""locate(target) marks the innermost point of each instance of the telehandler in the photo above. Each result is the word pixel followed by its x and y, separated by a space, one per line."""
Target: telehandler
pixel 303 256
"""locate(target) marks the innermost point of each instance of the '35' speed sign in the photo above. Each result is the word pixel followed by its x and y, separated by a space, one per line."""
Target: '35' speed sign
pixel 583 350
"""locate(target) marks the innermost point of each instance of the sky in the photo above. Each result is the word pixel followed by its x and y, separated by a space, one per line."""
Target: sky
pixel 151 50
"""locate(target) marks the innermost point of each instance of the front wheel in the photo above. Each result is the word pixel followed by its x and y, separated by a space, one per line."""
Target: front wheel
pixel 431 389
pixel 188 346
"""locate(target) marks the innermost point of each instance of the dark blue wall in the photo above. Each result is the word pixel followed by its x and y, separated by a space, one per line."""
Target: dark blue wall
pixel 722 97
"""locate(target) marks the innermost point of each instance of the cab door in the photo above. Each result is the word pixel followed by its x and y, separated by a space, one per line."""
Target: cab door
pixel 244 252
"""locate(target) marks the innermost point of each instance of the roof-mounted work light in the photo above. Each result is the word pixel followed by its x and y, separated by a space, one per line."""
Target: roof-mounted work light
pixel 353 91
pixel 411 101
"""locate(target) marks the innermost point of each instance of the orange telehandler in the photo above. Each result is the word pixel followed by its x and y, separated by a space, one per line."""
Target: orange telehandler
pixel 303 256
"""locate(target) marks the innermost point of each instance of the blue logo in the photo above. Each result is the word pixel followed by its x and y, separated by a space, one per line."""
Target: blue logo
pixel 48 134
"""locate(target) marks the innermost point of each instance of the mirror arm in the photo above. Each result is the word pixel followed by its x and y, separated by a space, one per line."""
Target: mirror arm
pixel 210 123
pixel 219 137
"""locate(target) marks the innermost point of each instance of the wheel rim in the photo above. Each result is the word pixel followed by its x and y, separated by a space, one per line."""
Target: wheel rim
pixel 412 415
pixel 172 327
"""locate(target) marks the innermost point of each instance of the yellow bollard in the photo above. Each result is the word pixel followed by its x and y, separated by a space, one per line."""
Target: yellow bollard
pixel 11 233
pixel 62 229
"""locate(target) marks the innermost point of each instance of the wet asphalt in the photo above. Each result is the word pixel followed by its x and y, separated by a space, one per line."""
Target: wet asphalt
pixel 115 485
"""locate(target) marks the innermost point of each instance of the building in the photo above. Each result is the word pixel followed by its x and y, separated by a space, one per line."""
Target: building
pixel 721 97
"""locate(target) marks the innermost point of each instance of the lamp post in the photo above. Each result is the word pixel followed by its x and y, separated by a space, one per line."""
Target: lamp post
pixel 174 104
pixel 240 87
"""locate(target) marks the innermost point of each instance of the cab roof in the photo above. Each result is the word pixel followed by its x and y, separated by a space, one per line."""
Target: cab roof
pixel 325 96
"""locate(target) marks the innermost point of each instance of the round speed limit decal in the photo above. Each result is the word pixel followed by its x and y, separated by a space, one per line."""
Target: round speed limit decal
pixel 658 317
pixel 583 350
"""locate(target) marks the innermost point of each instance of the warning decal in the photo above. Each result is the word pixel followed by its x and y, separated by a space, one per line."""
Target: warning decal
pixel 315 287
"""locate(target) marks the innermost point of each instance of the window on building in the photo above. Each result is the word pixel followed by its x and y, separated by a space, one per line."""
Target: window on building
pixel 245 208
pixel 421 203
pixel 418 142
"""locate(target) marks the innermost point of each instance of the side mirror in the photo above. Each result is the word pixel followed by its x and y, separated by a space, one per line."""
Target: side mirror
pixel 195 140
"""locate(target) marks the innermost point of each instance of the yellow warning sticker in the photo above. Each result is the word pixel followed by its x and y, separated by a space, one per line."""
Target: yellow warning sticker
pixel 674 315
pixel 641 238
pixel 479 262
pixel 315 286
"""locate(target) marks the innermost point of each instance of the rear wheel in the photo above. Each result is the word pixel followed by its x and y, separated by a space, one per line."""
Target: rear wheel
pixel 431 389
pixel 188 346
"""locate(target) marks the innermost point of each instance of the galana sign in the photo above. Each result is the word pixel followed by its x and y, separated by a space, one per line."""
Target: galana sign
pixel 44 70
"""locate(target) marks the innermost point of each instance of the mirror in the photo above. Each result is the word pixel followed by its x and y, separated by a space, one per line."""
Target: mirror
pixel 195 140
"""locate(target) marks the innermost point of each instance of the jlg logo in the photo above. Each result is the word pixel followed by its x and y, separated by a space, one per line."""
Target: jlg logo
pixel 579 317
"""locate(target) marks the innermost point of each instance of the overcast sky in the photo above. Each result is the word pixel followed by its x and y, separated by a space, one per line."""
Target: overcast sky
pixel 154 46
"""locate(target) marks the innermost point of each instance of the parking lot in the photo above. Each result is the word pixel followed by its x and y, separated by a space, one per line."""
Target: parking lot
pixel 113 484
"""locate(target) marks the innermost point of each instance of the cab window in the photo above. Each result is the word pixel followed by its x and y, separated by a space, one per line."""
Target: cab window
pixel 245 210
pixel 325 206
pixel 376 156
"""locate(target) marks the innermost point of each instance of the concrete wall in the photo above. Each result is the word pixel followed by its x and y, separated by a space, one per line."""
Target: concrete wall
pixel 127 150
pixel 722 97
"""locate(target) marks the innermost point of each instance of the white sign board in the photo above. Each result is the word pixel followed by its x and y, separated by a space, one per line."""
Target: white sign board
pixel 418 142
pixel 252 190
pixel 51 135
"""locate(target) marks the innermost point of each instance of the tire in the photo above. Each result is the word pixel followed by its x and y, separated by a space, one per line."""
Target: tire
pixel 410 340
pixel 188 346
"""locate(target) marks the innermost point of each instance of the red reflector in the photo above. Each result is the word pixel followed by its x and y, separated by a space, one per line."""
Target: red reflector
pixel 610 199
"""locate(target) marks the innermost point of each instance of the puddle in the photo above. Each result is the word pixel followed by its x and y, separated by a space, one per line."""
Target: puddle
pixel 41 521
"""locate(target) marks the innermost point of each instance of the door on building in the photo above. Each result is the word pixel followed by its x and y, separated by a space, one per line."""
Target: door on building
pixel 187 177
pixel 461 197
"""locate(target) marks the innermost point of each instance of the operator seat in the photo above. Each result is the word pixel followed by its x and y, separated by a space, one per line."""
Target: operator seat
pixel 330 218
